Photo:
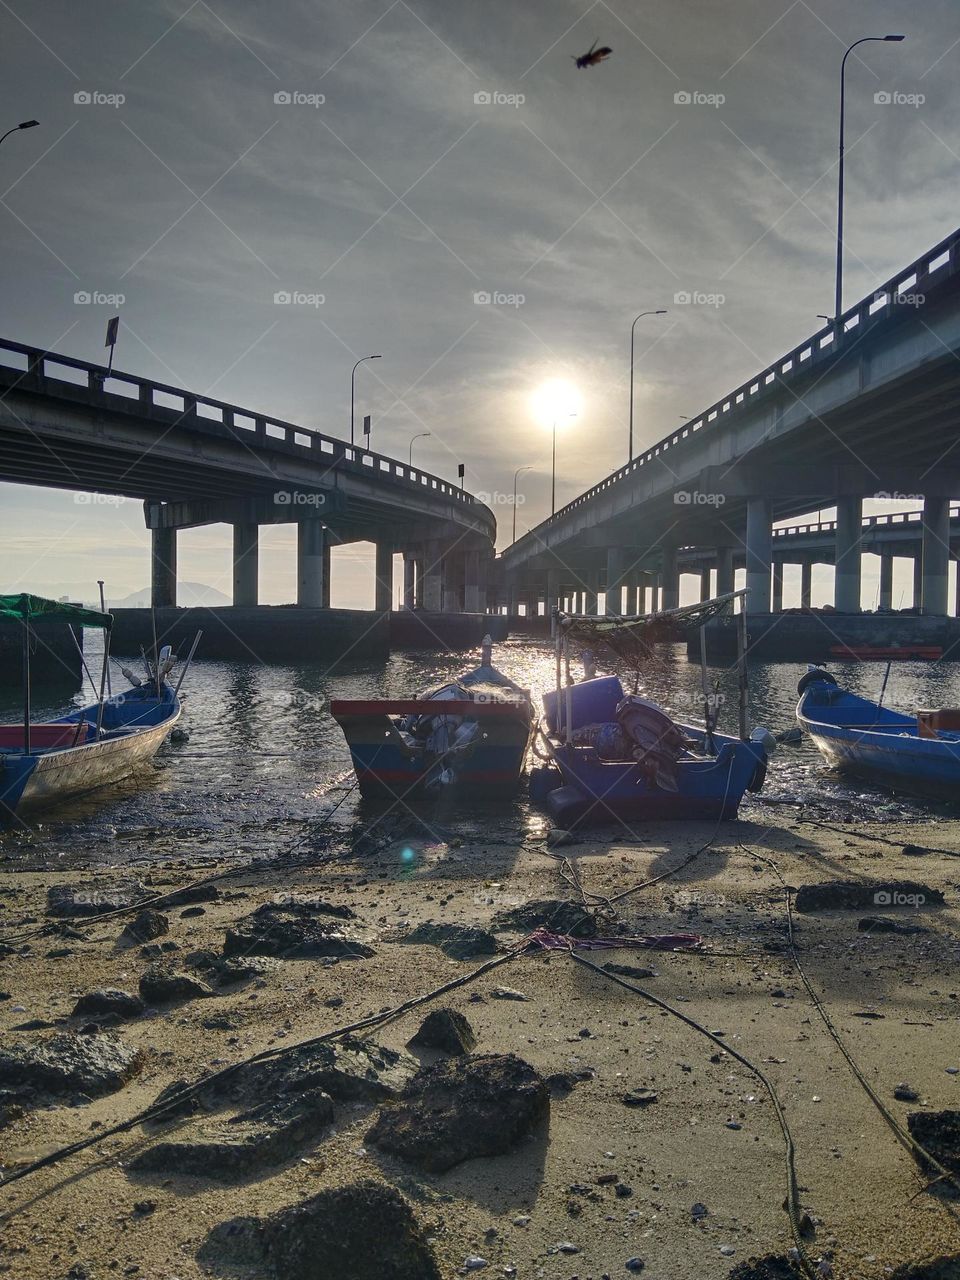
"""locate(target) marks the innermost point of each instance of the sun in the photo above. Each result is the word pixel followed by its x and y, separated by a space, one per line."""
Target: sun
pixel 556 400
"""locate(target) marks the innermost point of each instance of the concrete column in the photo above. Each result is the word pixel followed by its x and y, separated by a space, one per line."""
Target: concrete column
pixel 383 591
pixel 886 580
pixel 936 555
pixel 432 577
pixel 592 580
pixel 656 592
pixel 163 568
pixel 704 584
pixel 409 580
pixel 917 581
pixel 806 583
pixel 725 578
pixel 630 606
pixel 313 565
pixel 473 583
pixel 245 563
pixel 553 591
pixel 956 580
pixel 759 539
pixel 846 590
pixel 670 579
pixel 616 568
pixel 778 587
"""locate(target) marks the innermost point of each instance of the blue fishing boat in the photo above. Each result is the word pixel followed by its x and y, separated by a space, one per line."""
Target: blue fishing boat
pixel 919 754
pixel 472 733
pixel 44 763
pixel 614 757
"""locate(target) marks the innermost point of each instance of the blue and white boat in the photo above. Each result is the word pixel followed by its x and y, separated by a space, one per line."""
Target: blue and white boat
pixel 44 763
pixel 919 754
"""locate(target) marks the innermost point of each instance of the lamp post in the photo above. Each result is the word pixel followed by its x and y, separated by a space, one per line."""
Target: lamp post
pixel 838 304
pixel 553 472
pixel 27 124
pixel 421 435
pixel 353 379
pixel 516 475
pixel 632 331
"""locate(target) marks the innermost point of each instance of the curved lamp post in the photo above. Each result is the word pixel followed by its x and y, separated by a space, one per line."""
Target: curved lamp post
pixel 632 330
pixel 838 304
pixel 516 475
pixel 27 124
pixel 421 435
pixel 553 471
pixel 353 379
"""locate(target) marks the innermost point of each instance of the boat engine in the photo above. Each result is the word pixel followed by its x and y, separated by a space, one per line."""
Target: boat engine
pixel 815 674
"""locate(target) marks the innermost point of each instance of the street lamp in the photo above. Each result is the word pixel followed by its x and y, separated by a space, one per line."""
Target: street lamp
pixel 353 378
pixel 27 124
pixel 421 435
pixel 632 329
pixel 553 473
pixel 519 472
pixel 838 306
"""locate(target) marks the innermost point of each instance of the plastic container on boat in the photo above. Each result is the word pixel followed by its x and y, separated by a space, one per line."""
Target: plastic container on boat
pixel 591 702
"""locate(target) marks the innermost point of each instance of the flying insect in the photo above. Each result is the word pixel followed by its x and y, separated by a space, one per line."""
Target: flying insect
pixel 594 57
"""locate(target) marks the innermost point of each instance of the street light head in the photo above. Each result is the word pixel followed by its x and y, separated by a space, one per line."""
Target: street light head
pixel 28 124
pixel 374 357
pixel 896 38
pixel 662 312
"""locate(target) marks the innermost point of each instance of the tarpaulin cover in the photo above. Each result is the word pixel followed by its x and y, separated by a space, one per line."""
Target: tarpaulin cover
pixel 34 608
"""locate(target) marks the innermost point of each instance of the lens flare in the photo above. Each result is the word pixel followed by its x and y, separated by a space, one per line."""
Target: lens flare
pixel 555 401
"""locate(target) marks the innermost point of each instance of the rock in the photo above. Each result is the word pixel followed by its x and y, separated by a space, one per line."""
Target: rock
pixel 94 898
pixel 555 914
pixel 771 1267
pixel 562 1083
pixel 459 941
pixel 850 895
pixel 913 850
pixel 229 972
pixel 473 1262
pixel 146 926
pixel 459 1109
pixel 63 1064
pixel 640 1097
pixel 634 1264
pixel 191 893
pixel 904 1093
pixel 507 993
pixel 163 986
pixel 108 1001
pixel 883 924
pixel 304 905
pixel 557 838
pixel 630 970
pixel 286 934
pixel 226 1149
pixel 942 1268
pixel 365 1230
pixel 939 1133
pixel 191 912
pixel 445 1030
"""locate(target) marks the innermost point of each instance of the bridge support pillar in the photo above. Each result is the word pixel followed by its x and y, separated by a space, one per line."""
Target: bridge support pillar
pixel 670 579
pixel 246 547
pixel 846 591
pixel 552 600
pixel 806 583
pixel 917 581
pixel 725 578
pixel 704 584
pixel 452 590
pixel 409 580
pixel 616 571
pixel 432 577
pixel 313 565
pixel 886 580
pixel 778 587
pixel 383 591
pixel 163 568
pixel 759 539
pixel 630 605
pixel 474 584
pixel 936 555
pixel 592 578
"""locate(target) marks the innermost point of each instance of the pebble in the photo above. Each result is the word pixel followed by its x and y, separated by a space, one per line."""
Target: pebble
pixel 473 1262
pixel 953 1071
pixel 634 1264
pixel 566 1246
pixel 507 993
pixel 727 1250
pixel 904 1093
pixel 521 1220
pixel 699 1211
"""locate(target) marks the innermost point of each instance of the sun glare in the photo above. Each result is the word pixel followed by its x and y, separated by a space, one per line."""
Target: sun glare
pixel 554 401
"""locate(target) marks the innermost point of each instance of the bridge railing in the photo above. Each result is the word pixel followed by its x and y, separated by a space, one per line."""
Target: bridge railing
pixel 869 522
pixel 246 426
pixel 932 268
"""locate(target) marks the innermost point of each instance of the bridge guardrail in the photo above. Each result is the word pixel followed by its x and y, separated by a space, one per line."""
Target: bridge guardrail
pixel 244 424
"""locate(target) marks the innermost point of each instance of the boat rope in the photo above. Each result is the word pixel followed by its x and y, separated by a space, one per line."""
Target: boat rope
pixel 875 839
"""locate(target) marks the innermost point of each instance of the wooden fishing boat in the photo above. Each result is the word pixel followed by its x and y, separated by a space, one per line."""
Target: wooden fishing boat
pixel 472 733
pixel 615 757
pixel 918 754
pixel 42 764
pixel 884 653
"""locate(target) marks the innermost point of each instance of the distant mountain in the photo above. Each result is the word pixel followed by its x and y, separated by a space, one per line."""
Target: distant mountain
pixel 189 595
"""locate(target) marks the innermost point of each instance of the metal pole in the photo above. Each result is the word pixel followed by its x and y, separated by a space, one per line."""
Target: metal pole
pixel 103 681
pixel 103 606
pixel 353 377
pixel 186 665
pixel 632 331
pixel 421 435
pixel 519 471
pixel 553 473
pixel 742 668
pixel 26 684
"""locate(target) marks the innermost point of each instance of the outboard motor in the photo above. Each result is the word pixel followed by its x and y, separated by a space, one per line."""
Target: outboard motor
pixel 816 674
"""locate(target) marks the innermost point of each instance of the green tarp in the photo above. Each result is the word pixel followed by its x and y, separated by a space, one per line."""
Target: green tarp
pixel 36 608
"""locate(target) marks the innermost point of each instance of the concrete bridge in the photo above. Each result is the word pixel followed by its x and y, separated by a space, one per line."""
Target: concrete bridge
pixel 69 424
pixel 866 407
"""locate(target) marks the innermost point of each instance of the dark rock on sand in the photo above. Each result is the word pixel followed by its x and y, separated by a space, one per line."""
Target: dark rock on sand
pixel 163 986
pixel 771 1267
pixel 852 895
pixel 228 1148
pixel 108 1001
pixel 445 1030
pixel 147 925
pixel 459 1109
pixel 365 1230
pixel 459 941
pixel 191 893
pixel 939 1133
pixel 283 932
pixel 304 905
pixel 943 1268
pixel 563 1083
pixel 630 970
pixel 555 914
pixel 883 924
pixel 94 898
pixel 65 1064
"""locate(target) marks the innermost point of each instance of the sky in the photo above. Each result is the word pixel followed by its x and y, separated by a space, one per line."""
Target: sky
pixel 390 165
